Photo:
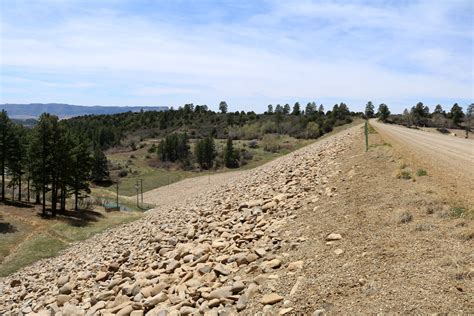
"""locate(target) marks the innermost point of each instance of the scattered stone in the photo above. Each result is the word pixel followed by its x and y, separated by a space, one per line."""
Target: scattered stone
pixel 220 269
pixel 152 301
pixel 270 299
pixel 338 251
pixel 114 266
pixel 319 312
pixel 101 276
pixel 62 299
pixel 333 236
pixel 294 266
pixel 66 289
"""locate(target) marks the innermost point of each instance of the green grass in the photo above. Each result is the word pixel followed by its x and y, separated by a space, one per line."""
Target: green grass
pixel 457 211
pixel 57 236
pixel 371 129
pixel 421 172
pixel 42 246
pixel 380 145
pixel 18 232
pixel 75 233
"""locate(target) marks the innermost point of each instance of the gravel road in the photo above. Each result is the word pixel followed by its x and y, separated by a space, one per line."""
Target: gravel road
pixel 449 152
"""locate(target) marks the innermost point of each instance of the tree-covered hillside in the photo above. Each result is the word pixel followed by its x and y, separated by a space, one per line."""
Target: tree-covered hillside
pixel 199 122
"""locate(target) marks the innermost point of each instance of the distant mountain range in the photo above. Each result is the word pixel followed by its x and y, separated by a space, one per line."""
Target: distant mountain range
pixel 34 110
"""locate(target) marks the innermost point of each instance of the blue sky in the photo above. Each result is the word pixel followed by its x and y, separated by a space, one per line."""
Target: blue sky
pixel 249 53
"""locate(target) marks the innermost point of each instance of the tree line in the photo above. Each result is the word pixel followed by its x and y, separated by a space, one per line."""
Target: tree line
pixel 50 160
pixel 175 147
pixel 198 121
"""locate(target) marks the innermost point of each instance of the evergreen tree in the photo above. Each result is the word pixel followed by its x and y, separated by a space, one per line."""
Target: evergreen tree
pixel 5 145
pixel 296 109
pixel 286 109
pixel 100 167
pixel 42 155
pixel 205 152
pixel 82 161
pixel 16 159
pixel 383 112
pixel 231 159
pixel 456 114
pixel 321 109
pixel 223 107
pixel 270 109
pixel 369 110
pixel 310 108
pixel 438 109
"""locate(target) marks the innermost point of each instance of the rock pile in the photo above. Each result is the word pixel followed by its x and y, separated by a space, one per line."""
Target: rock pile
pixel 208 255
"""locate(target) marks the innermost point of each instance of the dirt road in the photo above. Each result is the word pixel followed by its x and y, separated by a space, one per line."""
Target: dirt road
pixel 455 154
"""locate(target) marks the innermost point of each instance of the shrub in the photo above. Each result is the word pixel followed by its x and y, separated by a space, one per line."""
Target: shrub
pixel 405 217
pixel 253 143
pixel 270 143
pixel 404 174
pixel 123 173
pixel 457 211
pixel 421 172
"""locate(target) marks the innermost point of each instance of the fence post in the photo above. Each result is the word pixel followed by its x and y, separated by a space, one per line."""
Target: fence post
pixel 366 136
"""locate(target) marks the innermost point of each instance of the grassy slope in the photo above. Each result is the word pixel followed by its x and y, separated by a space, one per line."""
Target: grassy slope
pixel 47 237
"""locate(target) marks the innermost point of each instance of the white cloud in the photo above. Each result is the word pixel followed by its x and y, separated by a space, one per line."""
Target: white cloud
pixel 356 52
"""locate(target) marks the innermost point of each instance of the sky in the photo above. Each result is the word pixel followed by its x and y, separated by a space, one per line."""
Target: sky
pixel 248 53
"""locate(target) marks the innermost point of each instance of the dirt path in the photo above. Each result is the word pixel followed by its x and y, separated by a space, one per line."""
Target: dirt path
pixel 402 250
pixel 449 152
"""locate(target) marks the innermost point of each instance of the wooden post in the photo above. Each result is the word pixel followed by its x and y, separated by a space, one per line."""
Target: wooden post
pixel 366 136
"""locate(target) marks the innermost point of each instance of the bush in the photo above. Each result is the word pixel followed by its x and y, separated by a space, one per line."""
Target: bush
pixel 457 211
pixel 421 172
pixel 270 142
pixel 123 173
pixel 405 217
pixel 253 143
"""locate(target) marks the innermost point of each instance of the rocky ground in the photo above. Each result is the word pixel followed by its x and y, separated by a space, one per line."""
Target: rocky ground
pixel 327 228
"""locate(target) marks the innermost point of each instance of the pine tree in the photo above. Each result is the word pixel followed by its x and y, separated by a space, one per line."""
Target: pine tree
pixel 16 159
pixel 369 110
pixel 5 145
pixel 81 172
pixel 223 107
pixel 383 112
pixel 42 163
pixel 296 109
pixel 205 152
pixel 100 168
pixel 456 114
pixel 230 155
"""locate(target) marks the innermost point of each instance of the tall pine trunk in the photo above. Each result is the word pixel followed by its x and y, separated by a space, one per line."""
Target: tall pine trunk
pixel 54 196
pixel 3 174
pixel 44 199
pixel 19 189
pixel 76 196
pixel 28 189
